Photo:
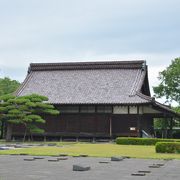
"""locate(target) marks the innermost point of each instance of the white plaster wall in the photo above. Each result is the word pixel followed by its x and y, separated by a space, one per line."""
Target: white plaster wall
pixel 132 109
pixel 120 110
pixel 149 109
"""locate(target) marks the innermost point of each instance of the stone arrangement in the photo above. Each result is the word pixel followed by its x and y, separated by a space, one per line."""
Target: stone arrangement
pixel 144 172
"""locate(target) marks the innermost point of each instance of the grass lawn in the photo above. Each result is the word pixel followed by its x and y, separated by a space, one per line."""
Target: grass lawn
pixel 95 150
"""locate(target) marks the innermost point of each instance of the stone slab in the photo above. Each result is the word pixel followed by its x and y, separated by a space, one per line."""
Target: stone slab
pixel 117 158
pixel 81 168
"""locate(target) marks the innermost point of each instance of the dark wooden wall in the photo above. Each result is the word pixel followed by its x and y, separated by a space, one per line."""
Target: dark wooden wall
pixel 93 125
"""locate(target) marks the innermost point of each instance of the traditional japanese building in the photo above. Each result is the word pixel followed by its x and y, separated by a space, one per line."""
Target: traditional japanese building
pixel 95 99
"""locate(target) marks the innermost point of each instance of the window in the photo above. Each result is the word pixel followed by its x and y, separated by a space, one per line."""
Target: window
pixel 87 109
pixel 69 109
pixel 104 109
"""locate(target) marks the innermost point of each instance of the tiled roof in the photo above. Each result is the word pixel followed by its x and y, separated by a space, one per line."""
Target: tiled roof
pixel 117 82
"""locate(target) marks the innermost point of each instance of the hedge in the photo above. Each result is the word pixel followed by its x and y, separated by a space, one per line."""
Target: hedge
pixel 167 147
pixel 142 141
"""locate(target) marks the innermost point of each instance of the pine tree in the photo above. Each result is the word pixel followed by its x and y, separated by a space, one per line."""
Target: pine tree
pixel 25 110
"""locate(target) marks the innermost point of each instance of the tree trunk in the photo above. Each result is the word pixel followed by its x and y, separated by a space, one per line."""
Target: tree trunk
pixel 2 130
pixel 9 132
pixel 24 138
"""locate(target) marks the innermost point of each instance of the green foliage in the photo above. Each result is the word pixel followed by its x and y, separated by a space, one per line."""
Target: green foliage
pixel 163 123
pixel 8 86
pixel 35 129
pixel 167 147
pixel 177 109
pixel 35 98
pixel 26 110
pixel 170 82
pixel 142 141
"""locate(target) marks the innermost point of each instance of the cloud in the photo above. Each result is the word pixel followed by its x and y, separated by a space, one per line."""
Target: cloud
pixel 68 30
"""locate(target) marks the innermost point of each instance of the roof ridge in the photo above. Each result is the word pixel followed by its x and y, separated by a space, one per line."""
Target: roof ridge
pixel 23 85
pixel 166 108
pixel 143 96
pixel 156 103
pixel 87 65
pixel 134 86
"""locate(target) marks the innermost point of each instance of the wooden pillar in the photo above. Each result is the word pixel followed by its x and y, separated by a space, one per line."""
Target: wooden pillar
pixel 95 124
pixel 139 126
pixel 110 126
pixel 171 127
pixel 139 122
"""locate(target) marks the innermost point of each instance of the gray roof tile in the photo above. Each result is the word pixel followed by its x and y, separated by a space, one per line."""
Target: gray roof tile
pixel 102 83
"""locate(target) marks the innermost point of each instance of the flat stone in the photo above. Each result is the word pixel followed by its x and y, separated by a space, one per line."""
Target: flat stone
pixel 70 140
pixel 138 174
pixel 40 144
pixel 18 146
pixel 10 145
pixel 23 154
pixel 81 168
pixel 76 156
pixel 62 158
pixel 5 148
pixel 102 140
pixel 85 140
pixel 83 155
pixel 63 155
pixel 142 171
pixel 104 162
pixel 52 144
pixel 29 159
pixel 38 157
pixel 53 160
pixel 154 166
pixel 116 158
pixel 160 164
pixel 126 157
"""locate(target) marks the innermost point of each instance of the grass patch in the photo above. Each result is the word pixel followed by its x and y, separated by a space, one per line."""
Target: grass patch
pixel 96 150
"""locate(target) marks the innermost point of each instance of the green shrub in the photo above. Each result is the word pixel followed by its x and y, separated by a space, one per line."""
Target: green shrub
pixel 167 147
pixel 142 141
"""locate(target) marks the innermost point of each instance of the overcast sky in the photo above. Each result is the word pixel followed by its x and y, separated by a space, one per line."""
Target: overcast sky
pixel 81 30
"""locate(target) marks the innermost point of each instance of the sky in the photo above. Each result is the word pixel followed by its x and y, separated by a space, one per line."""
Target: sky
pixel 95 30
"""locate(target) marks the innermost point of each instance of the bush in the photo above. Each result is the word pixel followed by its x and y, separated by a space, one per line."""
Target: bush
pixel 167 147
pixel 142 141
pixel 176 133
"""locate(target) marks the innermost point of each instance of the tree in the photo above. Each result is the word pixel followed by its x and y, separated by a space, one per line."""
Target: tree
pixel 169 86
pixel 163 125
pixel 25 110
pixel 8 86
